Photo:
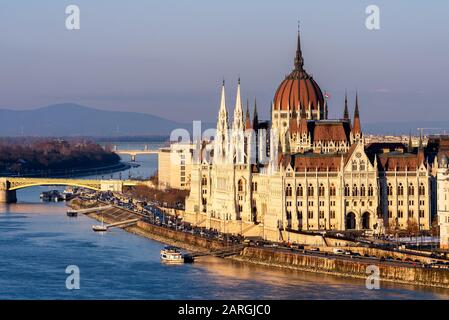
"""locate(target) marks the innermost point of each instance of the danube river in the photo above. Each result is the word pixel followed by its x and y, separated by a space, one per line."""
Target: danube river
pixel 38 241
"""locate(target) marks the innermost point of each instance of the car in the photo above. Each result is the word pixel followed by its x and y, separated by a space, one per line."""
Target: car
pixel 314 249
pixel 338 251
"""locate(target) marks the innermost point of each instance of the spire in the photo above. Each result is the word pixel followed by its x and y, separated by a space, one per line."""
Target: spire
pixel 238 112
pixel 356 129
pixel 223 99
pixel 255 116
pixel 346 112
pixel 420 150
pixel 248 117
pixel 409 146
pixel 356 111
pixel 299 61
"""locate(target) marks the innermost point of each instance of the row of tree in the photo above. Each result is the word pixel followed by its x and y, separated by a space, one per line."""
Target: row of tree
pixel 25 155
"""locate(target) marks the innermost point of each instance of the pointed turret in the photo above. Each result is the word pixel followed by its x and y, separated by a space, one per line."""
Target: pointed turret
pixel 356 129
pixel 299 61
pixel 346 112
pixel 410 145
pixel 238 112
pixel 221 140
pixel 248 117
pixel 255 116
pixel 420 150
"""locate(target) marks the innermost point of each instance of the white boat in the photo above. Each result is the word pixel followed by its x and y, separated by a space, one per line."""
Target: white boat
pixel 171 255
pixel 100 228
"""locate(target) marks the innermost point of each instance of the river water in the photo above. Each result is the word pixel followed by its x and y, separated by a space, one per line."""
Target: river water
pixel 38 241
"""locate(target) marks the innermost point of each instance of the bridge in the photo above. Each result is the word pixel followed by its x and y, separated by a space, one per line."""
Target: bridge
pixel 8 186
pixel 133 153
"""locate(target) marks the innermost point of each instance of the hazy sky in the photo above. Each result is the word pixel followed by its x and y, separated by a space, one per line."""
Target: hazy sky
pixel 169 57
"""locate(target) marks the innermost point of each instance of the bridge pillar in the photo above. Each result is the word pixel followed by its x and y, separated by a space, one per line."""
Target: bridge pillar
pixel 6 195
pixel 133 158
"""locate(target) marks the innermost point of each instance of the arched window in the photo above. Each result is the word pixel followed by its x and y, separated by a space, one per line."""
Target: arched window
pixel 400 190
pixel 321 190
pixel 370 190
pixel 390 189
pixel 362 165
pixel 299 192
pixel 354 190
pixel 310 190
pixel 204 181
pixel 422 189
pixel 347 194
pixel 332 190
pixel 240 187
pixel 362 190
pixel 288 190
pixel 411 190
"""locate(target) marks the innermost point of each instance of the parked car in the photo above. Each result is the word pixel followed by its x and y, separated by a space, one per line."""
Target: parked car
pixel 338 251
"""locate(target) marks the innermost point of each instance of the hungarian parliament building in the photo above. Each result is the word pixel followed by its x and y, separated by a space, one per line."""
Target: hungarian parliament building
pixel 302 172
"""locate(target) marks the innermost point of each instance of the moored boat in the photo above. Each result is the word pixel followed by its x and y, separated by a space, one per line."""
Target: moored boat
pixel 72 213
pixel 171 255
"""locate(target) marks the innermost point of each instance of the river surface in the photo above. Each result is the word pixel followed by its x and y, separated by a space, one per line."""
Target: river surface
pixel 38 241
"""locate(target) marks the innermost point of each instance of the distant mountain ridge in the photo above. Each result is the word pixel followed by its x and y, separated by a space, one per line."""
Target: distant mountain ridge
pixel 75 120
pixel 69 119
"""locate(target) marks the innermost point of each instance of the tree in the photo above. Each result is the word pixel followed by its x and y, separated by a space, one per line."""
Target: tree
pixel 435 229
pixel 412 227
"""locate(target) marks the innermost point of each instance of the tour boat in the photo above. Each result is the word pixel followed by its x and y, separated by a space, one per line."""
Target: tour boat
pixel 171 255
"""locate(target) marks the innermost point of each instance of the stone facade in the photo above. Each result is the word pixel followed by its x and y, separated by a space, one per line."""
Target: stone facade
pixel 303 172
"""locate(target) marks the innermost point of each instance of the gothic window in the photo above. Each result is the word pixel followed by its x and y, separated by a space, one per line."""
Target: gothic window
pixel 422 189
pixel 411 190
pixel 240 185
pixel 310 190
pixel 400 190
pixel 204 181
pixel 347 194
pixel 362 190
pixel 390 189
pixel 354 190
pixel 288 191
pixel 321 190
pixel 332 190
pixel 362 165
pixel 370 190
pixel 299 192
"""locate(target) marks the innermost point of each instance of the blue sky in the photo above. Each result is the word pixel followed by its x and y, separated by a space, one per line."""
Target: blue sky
pixel 169 57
